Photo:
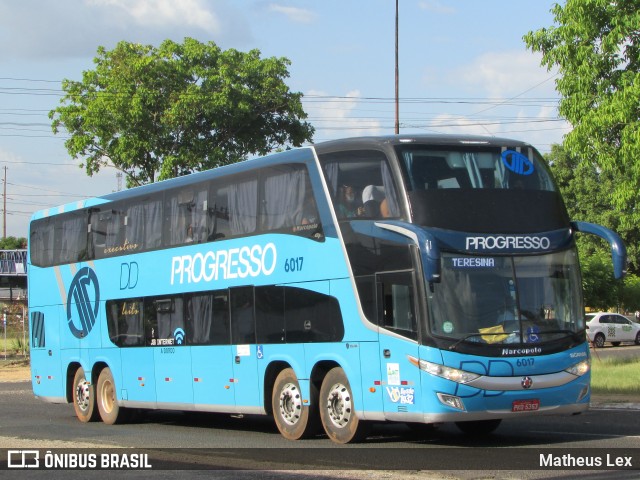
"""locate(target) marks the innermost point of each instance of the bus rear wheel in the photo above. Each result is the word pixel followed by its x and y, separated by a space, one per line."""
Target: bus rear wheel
pixel 294 419
pixel 84 397
pixel 337 411
pixel 110 411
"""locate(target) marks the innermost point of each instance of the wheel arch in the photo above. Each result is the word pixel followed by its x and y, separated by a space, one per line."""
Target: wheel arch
pixel 270 375
pixel 72 368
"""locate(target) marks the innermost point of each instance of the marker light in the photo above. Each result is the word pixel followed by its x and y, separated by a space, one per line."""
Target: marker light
pixel 453 374
pixel 579 369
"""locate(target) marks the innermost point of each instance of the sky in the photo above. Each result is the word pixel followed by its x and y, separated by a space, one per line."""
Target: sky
pixel 463 68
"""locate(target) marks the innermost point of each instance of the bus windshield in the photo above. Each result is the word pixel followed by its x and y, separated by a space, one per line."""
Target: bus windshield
pixel 430 168
pixel 481 189
pixel 507 300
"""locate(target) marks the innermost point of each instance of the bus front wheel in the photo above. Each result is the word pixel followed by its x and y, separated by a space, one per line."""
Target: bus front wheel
pixel 294 419
pixel 84 398
pixel 337 410
pixel 110 411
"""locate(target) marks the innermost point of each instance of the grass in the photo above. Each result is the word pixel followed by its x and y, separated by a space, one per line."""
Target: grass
pixel 615 376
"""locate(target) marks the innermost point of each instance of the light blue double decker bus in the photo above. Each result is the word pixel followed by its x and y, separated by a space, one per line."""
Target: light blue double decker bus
pixel 420 279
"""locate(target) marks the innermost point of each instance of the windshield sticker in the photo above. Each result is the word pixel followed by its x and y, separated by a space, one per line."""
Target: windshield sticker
pixel 517 162
pixel 447 327
pixel 533 334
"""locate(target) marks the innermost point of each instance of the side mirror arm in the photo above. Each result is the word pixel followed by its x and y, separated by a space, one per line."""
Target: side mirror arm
pixel 618 250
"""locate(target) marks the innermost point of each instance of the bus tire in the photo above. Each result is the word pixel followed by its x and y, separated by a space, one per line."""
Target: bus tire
pixel 110 411
pixel 294 419
pixel 479 428
pixel 337 411
pixel 84 397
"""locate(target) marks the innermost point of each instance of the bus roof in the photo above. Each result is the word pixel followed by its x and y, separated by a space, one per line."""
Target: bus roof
pixel 426 139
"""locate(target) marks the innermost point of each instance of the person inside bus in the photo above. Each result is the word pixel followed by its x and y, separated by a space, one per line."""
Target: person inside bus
pixel 349 207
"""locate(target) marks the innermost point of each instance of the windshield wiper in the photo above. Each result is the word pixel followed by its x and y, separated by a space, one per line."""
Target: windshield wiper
pixel 451 347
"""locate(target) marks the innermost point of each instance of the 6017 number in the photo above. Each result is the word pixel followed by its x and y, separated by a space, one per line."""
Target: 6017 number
pixel 293 264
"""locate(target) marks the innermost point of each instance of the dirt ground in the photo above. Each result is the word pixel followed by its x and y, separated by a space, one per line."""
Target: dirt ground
pixel 14 370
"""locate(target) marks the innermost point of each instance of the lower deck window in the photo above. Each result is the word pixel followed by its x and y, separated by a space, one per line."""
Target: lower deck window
pixel 246 315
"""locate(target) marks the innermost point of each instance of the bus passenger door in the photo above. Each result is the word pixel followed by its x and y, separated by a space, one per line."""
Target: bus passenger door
pixel 398 342
pixel 210 337
pixel 174 384
pixel 244 351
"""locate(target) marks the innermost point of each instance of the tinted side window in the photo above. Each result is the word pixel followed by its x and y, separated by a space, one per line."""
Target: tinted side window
pixel 42 243
pixel 107 232
pixel 208 318
pixel 164 321
pixel 186 215
pixel 270 326
pixel 312 317
pixel 361 184
pixel 396 304
pixel 125 322
pixel 242 316
pixel 71 237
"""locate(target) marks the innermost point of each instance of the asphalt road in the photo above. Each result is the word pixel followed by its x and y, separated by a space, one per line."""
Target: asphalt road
pixel 224 444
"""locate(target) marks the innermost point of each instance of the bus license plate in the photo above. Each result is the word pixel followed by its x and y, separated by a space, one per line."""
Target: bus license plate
pixel 525 405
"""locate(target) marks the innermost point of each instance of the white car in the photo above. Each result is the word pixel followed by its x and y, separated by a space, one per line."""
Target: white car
pixel 611 327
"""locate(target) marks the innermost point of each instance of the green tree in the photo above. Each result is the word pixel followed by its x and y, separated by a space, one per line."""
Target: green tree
pixel 157 113
pixel 586 190
pixel 13 243
pixel 631 293
pixel 595 45
pixel 599 289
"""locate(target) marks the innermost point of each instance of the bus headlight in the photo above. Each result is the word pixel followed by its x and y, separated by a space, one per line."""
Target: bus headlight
pixel 453 374
pixel 579 369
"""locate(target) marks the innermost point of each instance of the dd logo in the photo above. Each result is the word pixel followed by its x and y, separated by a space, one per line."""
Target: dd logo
pixel 84 295
pixel 517 162
pixel 128 275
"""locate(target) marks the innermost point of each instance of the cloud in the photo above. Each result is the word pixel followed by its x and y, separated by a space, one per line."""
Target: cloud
pixel 75 28
pixel 162 13
pixel 436 7
pixel 505 74
pixel 298 15
pixel 333 116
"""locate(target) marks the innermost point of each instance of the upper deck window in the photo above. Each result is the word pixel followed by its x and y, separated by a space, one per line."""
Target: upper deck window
pixel 361 184
pixel 507 168
pixel 481 189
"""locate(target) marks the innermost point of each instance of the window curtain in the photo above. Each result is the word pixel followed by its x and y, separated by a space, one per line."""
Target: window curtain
pixel 243 206
pixel 200 309
pixel 144 224
pixel 168 322
pixel 73 233
pixel 284 196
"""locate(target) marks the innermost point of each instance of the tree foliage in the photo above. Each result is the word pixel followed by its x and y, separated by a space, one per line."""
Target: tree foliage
pixel 13 243
pixel 586 190
pixel 595 45
pixel 156 113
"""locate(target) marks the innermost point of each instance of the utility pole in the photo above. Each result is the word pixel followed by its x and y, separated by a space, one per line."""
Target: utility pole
pixel 397 78
pixel 4 204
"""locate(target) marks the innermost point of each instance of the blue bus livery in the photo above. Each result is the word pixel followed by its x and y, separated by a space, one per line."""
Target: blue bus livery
pixel 420 279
